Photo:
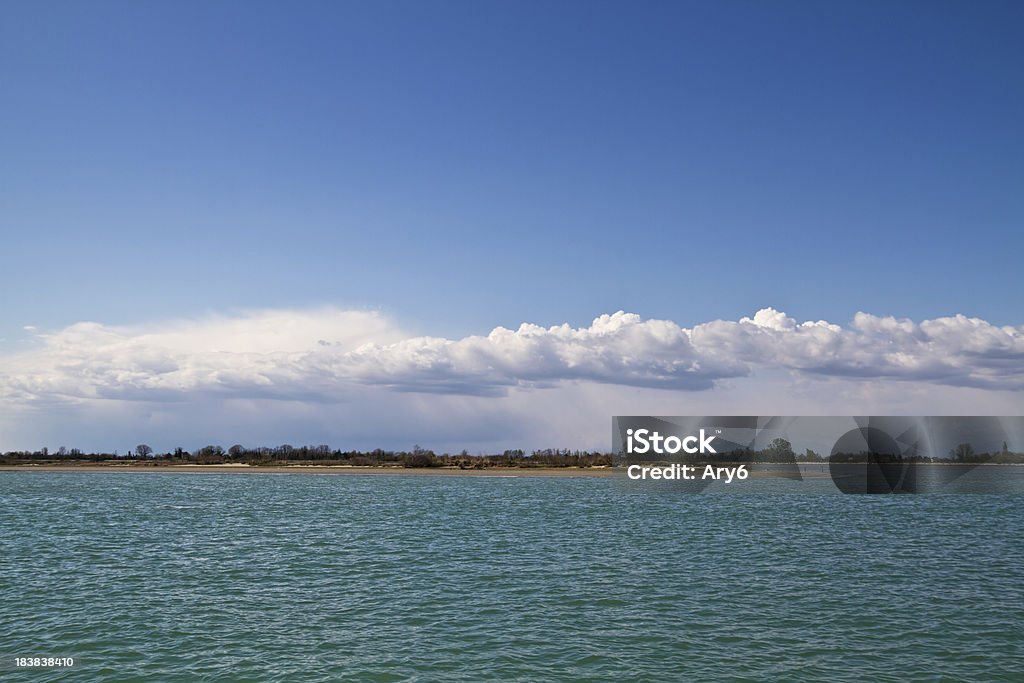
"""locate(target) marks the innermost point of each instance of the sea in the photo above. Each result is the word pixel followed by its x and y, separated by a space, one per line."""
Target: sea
pixel 309 577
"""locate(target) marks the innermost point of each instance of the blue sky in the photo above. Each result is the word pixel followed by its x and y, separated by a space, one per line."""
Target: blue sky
pixel 463 165
pixel 470 164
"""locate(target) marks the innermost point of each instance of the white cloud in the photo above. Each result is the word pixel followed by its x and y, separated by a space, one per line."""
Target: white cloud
pixel 956 351
pixel 357 377
pixel 328 355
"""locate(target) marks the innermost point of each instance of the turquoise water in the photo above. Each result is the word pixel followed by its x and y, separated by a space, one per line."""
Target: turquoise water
pixel 222 577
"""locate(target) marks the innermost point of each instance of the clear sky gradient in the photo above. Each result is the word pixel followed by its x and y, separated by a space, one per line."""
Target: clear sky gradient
pixel 464 165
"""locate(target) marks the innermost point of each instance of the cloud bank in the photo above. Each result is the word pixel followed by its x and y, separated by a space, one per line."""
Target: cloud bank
pixel 328 355
pixel 356 378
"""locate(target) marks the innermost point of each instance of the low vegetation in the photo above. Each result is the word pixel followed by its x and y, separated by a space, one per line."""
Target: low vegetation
pixel 778 451
pixel 316 455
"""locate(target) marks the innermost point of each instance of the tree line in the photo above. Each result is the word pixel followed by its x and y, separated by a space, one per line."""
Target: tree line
pixel 322 454
pixel 778 451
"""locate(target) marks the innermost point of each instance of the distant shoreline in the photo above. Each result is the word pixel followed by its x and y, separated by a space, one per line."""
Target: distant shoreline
pixel 493 471
pixel 324 469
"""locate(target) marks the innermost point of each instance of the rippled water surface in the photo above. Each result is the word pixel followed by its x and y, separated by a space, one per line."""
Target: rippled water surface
pixel 222 577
